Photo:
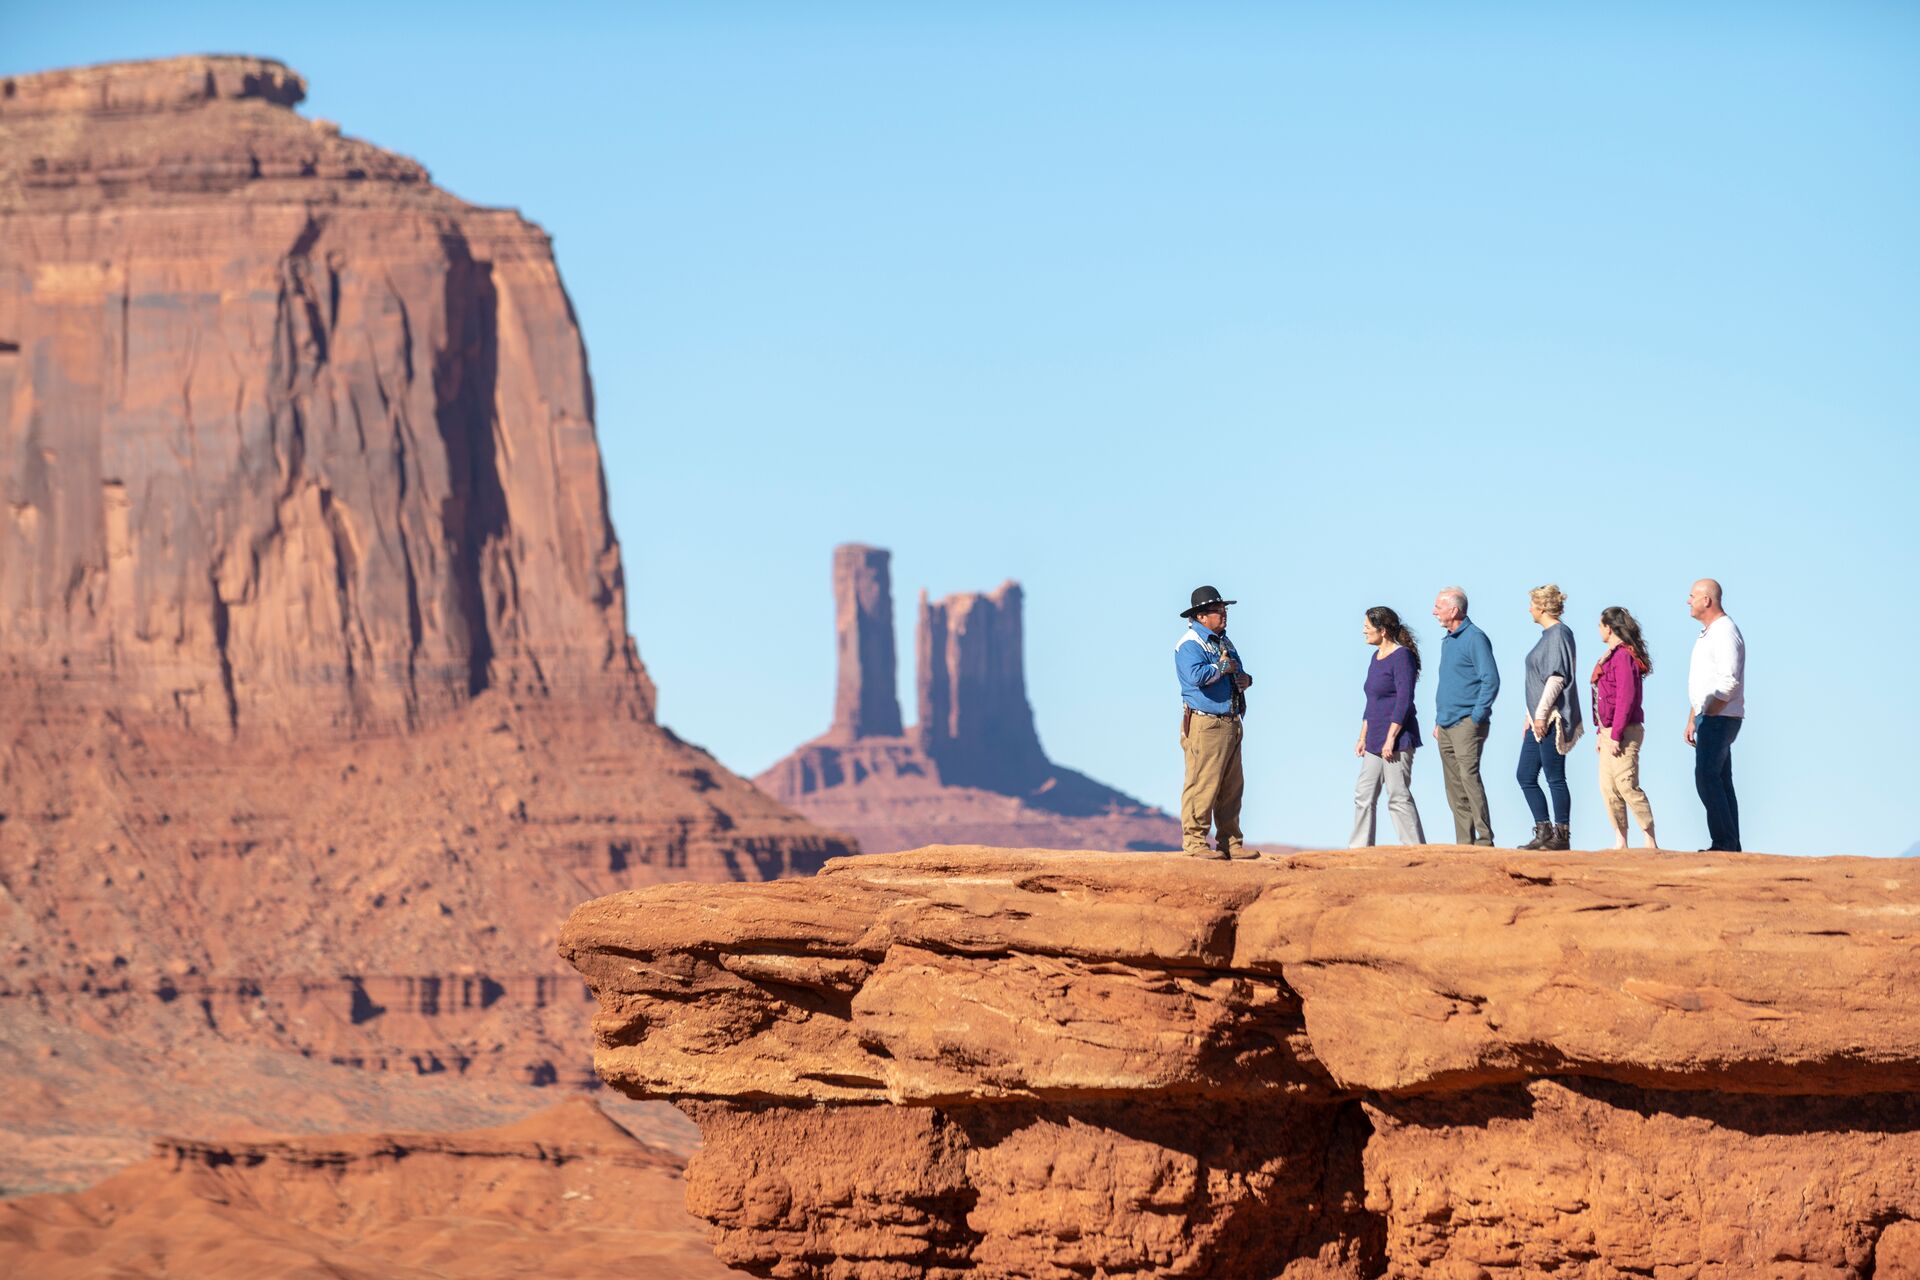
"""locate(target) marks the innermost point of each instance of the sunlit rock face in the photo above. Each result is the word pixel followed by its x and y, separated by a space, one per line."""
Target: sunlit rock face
pixel 317 705
pixel 1438 1062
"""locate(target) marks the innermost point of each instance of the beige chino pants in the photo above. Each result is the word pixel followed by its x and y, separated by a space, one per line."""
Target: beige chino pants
pixel 1214 786
pixel 1460 746
pixel 1620 778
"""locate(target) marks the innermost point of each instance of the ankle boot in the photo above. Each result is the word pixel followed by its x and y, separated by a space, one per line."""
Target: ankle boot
pixel 1542 836
pixel 1561 839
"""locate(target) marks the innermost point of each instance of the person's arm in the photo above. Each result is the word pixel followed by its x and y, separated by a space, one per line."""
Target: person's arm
pixel 1489 673
pixel 1402 672
pixel 1360 747
pixel 1548 698
pixel 1195 666
pixel 1726 669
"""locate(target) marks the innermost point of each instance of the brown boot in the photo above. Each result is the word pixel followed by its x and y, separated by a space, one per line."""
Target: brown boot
pixel 1542 836
pixel 1562 838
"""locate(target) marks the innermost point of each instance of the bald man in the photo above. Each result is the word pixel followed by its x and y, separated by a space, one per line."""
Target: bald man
pixel 1717 694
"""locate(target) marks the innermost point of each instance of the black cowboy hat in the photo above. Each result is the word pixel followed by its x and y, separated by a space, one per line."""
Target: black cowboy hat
pixel 1204 597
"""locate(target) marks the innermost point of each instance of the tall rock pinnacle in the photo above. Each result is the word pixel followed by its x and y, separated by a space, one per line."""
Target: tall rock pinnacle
pixel 865 704
pixel 975 721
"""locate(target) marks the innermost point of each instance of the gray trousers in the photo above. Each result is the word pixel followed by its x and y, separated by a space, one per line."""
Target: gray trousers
pixel 1460 768
pixel 1396 775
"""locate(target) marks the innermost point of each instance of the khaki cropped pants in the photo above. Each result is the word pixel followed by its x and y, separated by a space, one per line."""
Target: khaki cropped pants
pixel 1214 786
pixel 1620 778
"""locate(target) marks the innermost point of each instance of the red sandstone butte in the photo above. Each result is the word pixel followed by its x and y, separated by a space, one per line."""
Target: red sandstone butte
pixel 319 704
pixel 1432 1063
pixel 972 771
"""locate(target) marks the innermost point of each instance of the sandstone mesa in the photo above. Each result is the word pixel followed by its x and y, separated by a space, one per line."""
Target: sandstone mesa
pixel 320 705
pixel 1436 1062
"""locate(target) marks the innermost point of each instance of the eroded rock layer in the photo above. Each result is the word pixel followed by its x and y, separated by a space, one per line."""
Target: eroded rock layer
pixel 564 1193
pixel 1445 1063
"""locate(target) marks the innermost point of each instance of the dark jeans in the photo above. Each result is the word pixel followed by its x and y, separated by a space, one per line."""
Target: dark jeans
pixel 1543 757
pixel 1713 778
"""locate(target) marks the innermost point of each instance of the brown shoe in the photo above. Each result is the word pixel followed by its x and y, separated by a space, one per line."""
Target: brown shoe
pixel 1562 838
pixel 1242 852
pixel 1542 836
pixel 1206 853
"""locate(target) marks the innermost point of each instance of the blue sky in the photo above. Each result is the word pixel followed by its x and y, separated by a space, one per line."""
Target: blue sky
pixel 1327 305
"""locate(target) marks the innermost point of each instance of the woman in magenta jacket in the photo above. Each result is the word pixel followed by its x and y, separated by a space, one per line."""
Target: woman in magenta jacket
pixel 1617 712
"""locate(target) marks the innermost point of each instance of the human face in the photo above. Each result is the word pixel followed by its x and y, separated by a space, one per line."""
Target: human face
pixel 1371 634
pixel 1214 619
pixel 1700 601
pixel 1445 613
pixel 1607 637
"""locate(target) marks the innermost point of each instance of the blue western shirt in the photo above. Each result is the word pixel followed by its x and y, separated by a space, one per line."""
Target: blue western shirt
pixel 1469 681
pixel 1197 660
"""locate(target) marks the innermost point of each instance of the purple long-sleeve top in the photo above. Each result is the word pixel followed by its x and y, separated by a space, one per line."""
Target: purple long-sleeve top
pixel 1616 691
pixel 1389 689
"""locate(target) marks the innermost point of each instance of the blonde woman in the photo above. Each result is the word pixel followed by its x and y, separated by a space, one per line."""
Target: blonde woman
pixel 1553 721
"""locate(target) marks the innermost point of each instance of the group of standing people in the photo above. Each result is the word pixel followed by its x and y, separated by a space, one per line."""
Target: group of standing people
pixel 1214 681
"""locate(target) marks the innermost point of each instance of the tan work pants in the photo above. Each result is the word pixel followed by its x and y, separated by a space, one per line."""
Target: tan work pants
pixel 1214 786
pixel 1620 778
pixel 1460 746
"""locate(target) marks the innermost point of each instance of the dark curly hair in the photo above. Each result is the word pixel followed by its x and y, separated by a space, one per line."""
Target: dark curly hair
pixel 1388 621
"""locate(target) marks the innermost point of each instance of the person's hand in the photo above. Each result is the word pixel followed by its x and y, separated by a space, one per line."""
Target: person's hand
pixel 1689 728
pixel 1610 745
pixel 1540 730
pixel 1360 747
pixel 1386 752
pixel 1241 679
pixel 1436 733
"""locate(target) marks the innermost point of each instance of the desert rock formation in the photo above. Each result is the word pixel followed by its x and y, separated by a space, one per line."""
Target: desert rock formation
pixel 320 708
pixel 564 1193
pixel 972 771
pixel 1445 1062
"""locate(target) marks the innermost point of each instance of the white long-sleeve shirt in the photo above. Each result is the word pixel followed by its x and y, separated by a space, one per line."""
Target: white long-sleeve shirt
pixel 1719 669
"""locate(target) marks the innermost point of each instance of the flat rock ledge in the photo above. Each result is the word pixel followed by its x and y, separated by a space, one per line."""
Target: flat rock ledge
pixel 964 1062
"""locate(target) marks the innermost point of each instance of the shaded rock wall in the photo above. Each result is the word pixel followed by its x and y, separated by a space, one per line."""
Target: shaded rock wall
pixel 1445 1062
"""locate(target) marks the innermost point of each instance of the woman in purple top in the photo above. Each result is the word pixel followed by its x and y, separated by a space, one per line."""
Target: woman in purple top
pixel 1389 730
pixel 1617 712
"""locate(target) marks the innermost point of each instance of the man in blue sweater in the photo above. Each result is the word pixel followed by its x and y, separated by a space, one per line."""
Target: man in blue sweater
pixel 1463 714
pixel 1213 696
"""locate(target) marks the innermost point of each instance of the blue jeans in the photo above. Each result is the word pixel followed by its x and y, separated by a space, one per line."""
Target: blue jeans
pixel 1713 778
pixel 1543 757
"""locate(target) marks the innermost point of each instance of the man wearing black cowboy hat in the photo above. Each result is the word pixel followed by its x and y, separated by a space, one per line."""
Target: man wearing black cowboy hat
pixel 1213 685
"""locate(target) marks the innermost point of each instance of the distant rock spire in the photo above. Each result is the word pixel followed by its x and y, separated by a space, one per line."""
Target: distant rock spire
pixel 865 704
pixel 975 721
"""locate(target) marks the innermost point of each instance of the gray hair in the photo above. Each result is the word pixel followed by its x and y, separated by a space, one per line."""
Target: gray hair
pixel 1458 596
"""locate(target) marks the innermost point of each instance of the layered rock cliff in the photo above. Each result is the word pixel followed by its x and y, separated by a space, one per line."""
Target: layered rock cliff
pixel 1445 1063
pixel 972 771
pixel 319 705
